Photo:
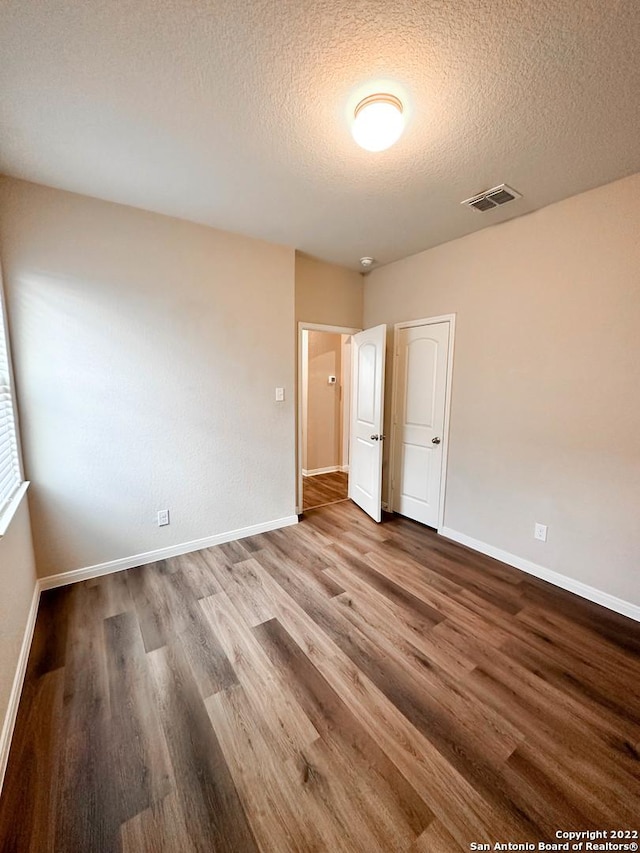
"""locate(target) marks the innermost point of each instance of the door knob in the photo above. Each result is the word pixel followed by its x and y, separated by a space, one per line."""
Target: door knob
pixel 435 440
pixel 375 437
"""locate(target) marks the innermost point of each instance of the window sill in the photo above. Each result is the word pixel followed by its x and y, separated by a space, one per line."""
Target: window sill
pixel 11 509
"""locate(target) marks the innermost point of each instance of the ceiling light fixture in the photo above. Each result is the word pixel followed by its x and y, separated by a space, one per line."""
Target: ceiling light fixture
pixel 378 122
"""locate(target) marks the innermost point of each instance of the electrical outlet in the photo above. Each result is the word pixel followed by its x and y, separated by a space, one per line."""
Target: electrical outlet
pixel 279 395
pixel 163 517
pixel 540 532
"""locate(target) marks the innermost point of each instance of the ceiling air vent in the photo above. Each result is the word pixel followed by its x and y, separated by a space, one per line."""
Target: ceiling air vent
pixel 489 199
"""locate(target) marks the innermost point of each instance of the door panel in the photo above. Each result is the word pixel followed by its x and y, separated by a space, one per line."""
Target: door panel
pixel 367 395
pixel 422 354
pixel 366 462
pixel 366 382
pixel 416 463
pixel 422 363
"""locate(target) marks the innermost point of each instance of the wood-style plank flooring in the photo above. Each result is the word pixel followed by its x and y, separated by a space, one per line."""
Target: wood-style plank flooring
pixel 323 489
pixel 333 686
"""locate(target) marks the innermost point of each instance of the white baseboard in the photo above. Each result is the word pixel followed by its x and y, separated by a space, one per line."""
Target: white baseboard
pixel 89 572
pixel 313 472
pixel 626 608
pixel 18 680
pixel 344 469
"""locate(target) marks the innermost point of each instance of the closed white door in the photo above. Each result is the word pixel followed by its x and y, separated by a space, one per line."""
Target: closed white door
pixel 367 396
pixel 421 376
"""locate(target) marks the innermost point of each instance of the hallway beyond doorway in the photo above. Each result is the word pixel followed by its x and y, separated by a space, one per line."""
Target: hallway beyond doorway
pixel 323 489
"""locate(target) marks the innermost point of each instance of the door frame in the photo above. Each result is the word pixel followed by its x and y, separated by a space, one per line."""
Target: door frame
pixel 309 327
pixel 408 324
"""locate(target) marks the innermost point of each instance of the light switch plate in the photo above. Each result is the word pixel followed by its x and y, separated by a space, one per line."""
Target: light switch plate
pixel 279 395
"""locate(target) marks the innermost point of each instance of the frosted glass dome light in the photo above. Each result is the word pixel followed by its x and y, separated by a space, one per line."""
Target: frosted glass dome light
pixel 378 122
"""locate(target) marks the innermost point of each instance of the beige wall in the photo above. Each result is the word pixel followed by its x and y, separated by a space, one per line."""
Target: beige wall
pixel 147 351
pixel 545 422
pixel 324 427
pixel 17 582
pixel 328 294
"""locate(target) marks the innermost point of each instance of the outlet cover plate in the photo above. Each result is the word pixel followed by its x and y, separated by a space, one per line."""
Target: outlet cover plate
pixel 540 532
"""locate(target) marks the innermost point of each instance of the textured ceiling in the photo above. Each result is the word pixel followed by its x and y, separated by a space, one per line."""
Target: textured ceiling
pixel 236 113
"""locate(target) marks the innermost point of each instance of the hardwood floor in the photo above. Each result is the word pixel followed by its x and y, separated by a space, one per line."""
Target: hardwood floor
pixel 323 489
pixel 333 686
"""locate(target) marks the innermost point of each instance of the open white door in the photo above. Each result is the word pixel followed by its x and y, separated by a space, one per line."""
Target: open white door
pixel 367 412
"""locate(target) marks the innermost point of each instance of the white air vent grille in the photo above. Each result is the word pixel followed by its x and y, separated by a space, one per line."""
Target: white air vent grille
pixel 492 198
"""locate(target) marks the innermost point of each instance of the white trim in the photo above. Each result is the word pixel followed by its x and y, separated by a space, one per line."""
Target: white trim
pixel 447 418
pixel 425 321
pixel 163 553
pixel 409 324
pixel 4 320
pixel 626 608
pixel 309 327
pixel 18 681
pixel 346 343
pixel 12 507
pixel 321 327
pixel 330 469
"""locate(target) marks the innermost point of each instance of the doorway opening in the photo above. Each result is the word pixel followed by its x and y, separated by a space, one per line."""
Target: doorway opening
pixel 325 381
pixel 341 416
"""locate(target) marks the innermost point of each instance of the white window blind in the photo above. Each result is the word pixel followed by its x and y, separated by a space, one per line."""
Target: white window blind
pixel 10 475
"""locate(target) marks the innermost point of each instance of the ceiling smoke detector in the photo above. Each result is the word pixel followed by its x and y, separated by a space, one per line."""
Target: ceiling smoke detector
pixel 367 263
pixel 495 197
